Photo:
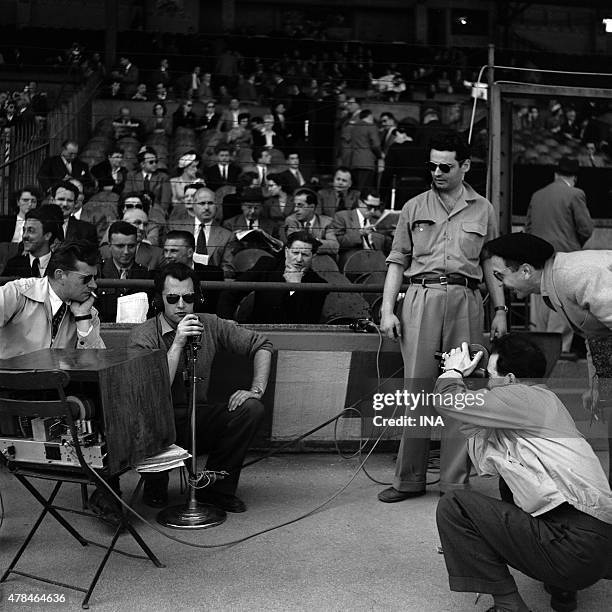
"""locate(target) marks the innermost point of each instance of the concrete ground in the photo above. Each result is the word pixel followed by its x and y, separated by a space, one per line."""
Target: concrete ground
pixel 355 554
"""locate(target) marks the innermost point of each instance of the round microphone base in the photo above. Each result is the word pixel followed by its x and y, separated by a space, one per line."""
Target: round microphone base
pixel 191 516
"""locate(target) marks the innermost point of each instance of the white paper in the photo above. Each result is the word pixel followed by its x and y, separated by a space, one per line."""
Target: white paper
pixel 132 308
pixel 200 258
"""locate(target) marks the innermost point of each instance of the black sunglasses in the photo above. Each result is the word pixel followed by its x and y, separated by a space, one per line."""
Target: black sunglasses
pixel 173 298
pixel 445 168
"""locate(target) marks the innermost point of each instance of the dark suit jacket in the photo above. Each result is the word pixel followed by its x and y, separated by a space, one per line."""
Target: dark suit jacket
pixel 276 306
pixel 181 119
pixel 7 227
pixel 107 300
pixel 328 201
pixel 81 230
pixel 19 266
pixel 159 185
pixel 292 181
pixel 239 223
pixel 102 173
pixel 213 178
pixel 53 170
pixel 147 255
pixel 259 140
pixel 346 225
pixel 209 123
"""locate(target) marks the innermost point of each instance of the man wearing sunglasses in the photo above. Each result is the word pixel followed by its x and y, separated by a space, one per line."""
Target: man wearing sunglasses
pixel 55 311
pixel 224 429
pixel 437 251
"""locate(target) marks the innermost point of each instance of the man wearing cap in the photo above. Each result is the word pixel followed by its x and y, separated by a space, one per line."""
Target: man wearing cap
pixel 149 178
pixel 251 219
pixel 437 250
pixel 577 285
pixel 558 214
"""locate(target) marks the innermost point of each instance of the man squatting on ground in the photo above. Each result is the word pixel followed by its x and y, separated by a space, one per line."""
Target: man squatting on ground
pixel 554 522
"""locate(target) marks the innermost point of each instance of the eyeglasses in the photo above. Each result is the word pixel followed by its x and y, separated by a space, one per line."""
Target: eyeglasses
pixel 445 168
pixel 500 275
pixel 173 298
pixel 150 161
pixel 133 206
pixel 87 278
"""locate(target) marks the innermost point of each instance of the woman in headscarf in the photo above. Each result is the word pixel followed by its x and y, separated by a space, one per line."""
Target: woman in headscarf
pixel 188 166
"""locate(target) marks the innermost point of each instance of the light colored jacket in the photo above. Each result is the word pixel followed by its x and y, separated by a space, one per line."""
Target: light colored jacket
pixel 25 321
pixel 579 285
pixel 524 434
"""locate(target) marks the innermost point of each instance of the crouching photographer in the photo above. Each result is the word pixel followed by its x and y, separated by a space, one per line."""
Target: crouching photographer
pixel 554 522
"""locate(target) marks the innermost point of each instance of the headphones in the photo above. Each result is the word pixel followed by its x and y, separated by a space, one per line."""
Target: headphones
pixel 158 299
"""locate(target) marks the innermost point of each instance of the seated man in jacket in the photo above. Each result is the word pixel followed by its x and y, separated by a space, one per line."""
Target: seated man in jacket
pixel 554 522
pixel 281 306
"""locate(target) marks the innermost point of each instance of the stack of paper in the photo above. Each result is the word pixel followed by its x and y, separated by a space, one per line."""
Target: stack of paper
pixel 172 457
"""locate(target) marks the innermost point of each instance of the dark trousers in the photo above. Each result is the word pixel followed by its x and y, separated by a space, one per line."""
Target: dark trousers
pixel 225 435
pixel 482 536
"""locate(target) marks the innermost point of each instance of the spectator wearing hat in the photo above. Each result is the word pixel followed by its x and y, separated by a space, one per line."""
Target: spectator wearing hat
pixel 188 167
pixel 558 214
pixel 576 285
pixel 251 218
pixel 431 126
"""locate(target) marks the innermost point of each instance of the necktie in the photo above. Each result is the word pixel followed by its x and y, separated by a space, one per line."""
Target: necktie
pixel 251 222
pixel 201 243
pixel 366 238
pixel 341 204
pixel 263 175
pixel 299 178
pixel 57 319
pixel 35 268
pixel 592 160
pixel 124 273
pixel 69 168
pixel 147 183
pixel 224 172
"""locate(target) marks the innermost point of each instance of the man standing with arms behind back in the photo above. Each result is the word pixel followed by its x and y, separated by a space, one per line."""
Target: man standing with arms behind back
pixel 437 250
pixel 558 214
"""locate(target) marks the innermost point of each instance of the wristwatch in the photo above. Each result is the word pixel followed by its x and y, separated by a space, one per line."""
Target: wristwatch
pixel 84 317
pixel 257 390
pixel 504 308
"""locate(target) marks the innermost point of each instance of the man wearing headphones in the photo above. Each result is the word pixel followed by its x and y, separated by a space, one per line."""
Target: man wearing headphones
pixel 225 430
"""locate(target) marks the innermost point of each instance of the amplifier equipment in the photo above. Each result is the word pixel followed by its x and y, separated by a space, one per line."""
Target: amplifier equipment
pixel 122 409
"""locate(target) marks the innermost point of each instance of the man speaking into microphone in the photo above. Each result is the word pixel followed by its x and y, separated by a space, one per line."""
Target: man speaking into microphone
pixel 225 430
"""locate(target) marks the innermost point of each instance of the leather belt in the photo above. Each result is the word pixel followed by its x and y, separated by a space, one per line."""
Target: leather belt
pixel 451 279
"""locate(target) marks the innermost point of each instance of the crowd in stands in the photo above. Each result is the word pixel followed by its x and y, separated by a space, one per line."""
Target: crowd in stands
pixel 543 133
pixel 23 106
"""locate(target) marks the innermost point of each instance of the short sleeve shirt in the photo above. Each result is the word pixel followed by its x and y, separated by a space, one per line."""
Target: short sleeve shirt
pixel 430 240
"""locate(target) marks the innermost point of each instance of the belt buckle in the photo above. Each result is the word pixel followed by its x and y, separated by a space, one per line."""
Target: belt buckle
pixel 443 280
pixel 423 283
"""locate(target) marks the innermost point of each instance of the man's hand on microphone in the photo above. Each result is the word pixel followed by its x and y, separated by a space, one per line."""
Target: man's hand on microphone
pixel 189 327
pixel 390 326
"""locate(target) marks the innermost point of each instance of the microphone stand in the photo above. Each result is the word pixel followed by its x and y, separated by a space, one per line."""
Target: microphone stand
pixel 193 514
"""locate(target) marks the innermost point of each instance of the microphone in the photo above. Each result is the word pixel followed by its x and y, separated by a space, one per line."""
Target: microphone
pixel 481 367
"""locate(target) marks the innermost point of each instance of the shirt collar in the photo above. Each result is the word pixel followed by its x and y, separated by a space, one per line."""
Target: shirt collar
pixel 55 300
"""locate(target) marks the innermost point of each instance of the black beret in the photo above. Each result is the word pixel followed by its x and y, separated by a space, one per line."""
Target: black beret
pixel 568 166
pixel 252 195
pixel 522 248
